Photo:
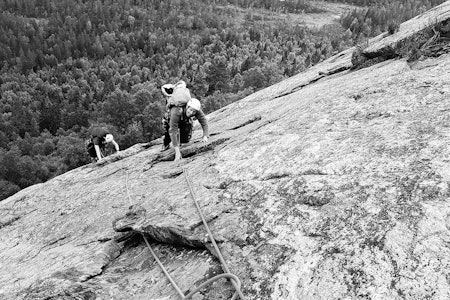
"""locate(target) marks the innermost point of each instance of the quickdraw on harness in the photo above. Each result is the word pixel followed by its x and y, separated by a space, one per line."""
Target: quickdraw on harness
pixel 233 278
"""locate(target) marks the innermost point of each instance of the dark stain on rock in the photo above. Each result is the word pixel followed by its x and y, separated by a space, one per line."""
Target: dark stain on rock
pixel 226 183
pixel 71 274
pixel 297 191
pixel 353 226
pixel 210 292
pixel 269 257
pixel 356 280
pixel 362 116
pixel 377 114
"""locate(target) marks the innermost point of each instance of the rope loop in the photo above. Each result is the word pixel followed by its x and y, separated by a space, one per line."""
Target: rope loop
pixel 233 278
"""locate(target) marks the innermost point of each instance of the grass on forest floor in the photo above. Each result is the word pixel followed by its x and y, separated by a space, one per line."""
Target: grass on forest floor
pixel 327 13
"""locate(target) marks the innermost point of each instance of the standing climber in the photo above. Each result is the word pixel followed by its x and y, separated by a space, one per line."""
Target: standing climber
pixel 100 137
pixel 178 119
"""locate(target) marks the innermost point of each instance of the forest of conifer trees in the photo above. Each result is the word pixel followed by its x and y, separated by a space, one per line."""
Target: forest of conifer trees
pixel 70 65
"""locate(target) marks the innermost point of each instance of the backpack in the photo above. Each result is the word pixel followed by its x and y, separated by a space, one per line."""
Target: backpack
pixel 180 96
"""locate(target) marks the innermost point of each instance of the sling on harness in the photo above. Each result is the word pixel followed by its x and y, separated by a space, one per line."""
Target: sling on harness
pixel 185 126
pixel 89 143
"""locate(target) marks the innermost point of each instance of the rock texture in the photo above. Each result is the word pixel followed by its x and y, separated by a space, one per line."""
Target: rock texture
pixel 333 184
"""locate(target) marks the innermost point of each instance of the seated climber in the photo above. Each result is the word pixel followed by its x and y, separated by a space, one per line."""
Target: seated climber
pixel 178 122
pixel 100 137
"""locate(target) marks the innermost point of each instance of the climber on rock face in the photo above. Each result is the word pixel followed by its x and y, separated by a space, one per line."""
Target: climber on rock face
pixel 178 120
pixel 100 137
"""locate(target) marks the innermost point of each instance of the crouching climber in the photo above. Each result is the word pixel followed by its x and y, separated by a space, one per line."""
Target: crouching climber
pixel 177 95
pixel 178 123
pixel 100 138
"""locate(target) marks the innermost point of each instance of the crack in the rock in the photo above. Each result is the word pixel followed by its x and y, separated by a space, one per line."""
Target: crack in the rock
pixel 125 236
pixel 291 91
pixel 171 175
pixel 92 276
pixel 35 255
pixel 101 240
pixel 111 255
pixel 333 71
pixel 48 246
pixel 57 240
pixel 215 133
pixel 149 167
pixel 313 172
pixel 321 74
pixel 9 221
pixel 200 223
pixel 261 126
pixel 276 175
pixel 208 147
pixel 190 150
pixel 133 222
pixel 252 120
pixel 172 236
pixel 97 178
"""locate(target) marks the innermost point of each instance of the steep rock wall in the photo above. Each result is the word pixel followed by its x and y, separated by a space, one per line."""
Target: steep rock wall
pixel 333 184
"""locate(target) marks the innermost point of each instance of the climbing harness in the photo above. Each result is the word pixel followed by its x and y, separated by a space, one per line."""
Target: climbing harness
pixel 90 148
pixel 233 278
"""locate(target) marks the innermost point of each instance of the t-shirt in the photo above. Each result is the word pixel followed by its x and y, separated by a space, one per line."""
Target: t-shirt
pixel 175 119
pixel 98 136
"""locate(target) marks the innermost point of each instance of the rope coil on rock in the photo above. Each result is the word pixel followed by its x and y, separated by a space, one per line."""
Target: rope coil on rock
pixel 234 279
pixel 213 241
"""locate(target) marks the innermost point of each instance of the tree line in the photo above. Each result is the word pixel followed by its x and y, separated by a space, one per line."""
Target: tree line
pixel 381 15
pixel 68 66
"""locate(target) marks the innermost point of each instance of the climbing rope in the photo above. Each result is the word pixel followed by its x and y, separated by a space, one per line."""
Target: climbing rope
pixel 213 241
pixel 128 192
pixel 234 279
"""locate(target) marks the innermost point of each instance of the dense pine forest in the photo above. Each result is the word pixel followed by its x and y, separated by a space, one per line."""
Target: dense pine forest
pixel 67 66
